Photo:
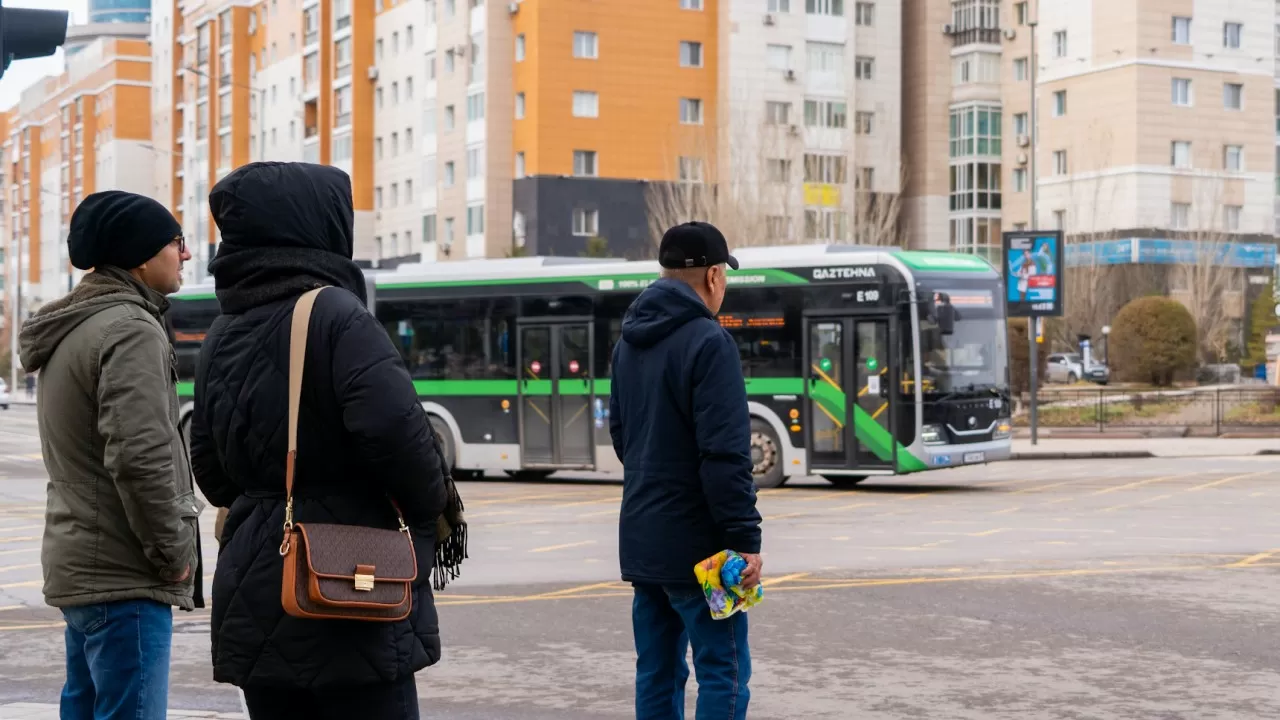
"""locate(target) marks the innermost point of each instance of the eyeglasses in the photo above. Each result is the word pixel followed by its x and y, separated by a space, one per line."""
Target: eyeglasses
pixel 182 243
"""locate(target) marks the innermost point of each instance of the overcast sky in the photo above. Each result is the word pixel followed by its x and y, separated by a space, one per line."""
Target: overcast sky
pixel 22 73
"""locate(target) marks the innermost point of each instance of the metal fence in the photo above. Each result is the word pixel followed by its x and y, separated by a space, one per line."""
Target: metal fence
pixel 1198 411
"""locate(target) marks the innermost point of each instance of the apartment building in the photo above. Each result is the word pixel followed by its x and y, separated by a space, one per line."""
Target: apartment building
pixel 69 136
pixel 811 97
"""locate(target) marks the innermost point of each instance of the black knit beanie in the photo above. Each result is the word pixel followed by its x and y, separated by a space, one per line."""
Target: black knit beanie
pixel 119 228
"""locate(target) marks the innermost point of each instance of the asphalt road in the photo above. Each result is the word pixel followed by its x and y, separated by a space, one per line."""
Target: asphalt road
pixel 1048 589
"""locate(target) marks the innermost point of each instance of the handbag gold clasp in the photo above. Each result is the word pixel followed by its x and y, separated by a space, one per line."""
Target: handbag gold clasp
pixel 364 583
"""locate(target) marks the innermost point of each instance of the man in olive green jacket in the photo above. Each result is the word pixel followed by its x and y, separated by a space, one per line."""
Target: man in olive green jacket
pixel 121 541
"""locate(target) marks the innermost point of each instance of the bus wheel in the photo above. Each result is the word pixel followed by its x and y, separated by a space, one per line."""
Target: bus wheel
pixel 843 481
pixel 528 475
pixel 766 456
pixel 446 442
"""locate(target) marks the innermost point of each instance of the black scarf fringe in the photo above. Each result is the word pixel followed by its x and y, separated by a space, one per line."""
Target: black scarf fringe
pixel 451 549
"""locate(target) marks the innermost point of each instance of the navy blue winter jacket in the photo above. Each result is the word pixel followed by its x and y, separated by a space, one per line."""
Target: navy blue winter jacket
pixel 679 421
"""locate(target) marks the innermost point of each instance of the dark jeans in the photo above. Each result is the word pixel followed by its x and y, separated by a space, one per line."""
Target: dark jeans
pixel 384 701
pixel 117 661
pixel 666 619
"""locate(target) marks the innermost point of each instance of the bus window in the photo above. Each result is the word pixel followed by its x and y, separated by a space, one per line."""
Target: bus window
pixel 765 323
pixel 471 339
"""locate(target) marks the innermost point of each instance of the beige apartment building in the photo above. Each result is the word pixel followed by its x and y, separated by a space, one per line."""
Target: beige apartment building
pixel 1156 118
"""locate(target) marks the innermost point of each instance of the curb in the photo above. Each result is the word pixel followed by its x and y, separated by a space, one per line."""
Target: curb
pixel 1084 455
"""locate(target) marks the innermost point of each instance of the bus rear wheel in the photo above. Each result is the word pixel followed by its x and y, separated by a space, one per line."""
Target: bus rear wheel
pixel 766 456
pixel 844 481
pixel 446 442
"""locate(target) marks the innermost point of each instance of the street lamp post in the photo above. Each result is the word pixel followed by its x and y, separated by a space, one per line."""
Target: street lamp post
pixel 1033 324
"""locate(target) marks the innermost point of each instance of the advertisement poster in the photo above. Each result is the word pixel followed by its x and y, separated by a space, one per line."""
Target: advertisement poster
pixel 1032 264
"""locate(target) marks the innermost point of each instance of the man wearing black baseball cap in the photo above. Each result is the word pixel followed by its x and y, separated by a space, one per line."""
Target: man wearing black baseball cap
pixel 679 422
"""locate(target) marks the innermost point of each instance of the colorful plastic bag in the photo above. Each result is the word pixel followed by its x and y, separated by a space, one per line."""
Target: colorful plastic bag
pixel 721 578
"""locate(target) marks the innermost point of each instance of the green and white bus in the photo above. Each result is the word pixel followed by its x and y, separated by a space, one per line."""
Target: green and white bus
pixel 858 361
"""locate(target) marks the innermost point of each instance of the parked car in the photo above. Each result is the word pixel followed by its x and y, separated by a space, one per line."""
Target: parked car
pixel 4 394
pixel 1070 368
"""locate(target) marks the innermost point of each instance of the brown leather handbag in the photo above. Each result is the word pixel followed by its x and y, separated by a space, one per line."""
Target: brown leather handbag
pixel 338 572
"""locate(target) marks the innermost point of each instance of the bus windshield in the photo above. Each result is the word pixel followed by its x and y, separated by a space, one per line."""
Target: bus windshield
pixel 974 357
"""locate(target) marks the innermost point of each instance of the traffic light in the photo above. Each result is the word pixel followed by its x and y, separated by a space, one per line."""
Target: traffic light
pixel 26 33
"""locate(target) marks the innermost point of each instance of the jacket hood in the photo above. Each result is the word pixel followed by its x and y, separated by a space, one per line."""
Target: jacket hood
pixel 105 287
pixel 661 309
pixel 285 205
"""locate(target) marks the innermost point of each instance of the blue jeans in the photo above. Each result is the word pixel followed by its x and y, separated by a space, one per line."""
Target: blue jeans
pixel 666 619
pixel 117 661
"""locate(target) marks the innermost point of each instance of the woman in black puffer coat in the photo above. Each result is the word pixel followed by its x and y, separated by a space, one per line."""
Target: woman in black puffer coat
pixel 362 435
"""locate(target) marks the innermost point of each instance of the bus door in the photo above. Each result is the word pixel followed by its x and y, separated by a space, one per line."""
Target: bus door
pixel 849 398
pixel 556 395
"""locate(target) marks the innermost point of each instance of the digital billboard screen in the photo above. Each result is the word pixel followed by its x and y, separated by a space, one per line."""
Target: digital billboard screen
pixel 1032 264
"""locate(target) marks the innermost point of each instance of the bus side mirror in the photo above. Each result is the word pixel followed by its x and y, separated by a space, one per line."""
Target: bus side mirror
pixel 944 314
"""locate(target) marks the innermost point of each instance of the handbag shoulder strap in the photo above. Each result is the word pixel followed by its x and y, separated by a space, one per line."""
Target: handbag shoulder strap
pixel 297 362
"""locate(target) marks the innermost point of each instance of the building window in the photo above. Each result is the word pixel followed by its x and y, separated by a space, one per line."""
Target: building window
pixel 342 106
pixel 1231 33
pixel 475 163
pixel 1020 70
pixel 690 111
pixel 834 8
pixel 825 58
pixel 779 57
pixel 585 45
pixel 826 169
pixel 1231 217
pixel 866 179
pixel 1020 12
pixel 689 169
pixel 1060 103
pixel 690 54
pixel 777 113
pixel 408 139
pixel 976 130
pixel 866 14
pixel 1182 92
pixel 519 165
pixel 586 223
pixel 779 6
pixel 475 107
pixel 1180 216
pixel 586 104
pixel 408 88
pixel 690 4
pixel 428 228
pixel 450 117
pixel 1020 125
pixel 1182 30
pixel 449 174
pixel 777 170
pixel 520 106
pixel 1059 219
pixel 1180 155
pixel 520 47
pixel 825 114
pixel 1060 44
pixel 584 163
pixel 1233 96
pixel 1020 180
pixel 475 220
pixel 975 186
pixel 865 123
pixel 865 68
pixel 1060 162
pixel 1233 158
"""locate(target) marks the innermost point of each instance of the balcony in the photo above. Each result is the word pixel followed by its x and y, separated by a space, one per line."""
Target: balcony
pixel 224 81
pixel 976 36
pixel 312 131
pixel 342 23
pixel 342 71
pixel 342 120
pixel 202 55
pixel 311 38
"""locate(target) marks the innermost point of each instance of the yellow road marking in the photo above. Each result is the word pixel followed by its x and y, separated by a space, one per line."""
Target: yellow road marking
pixel 22 527
pixel 29 583
pixel 1140 483
pixel 565 546
pixel 4 608
pixel 1224 481
pixel 20 550
pixel 519 498
pixel 610 499
pixel 610 511
pixel 985 533
pixel 574 590
pixel 19 539
pixel 27 566
pixel 774 582
pixel 1255 559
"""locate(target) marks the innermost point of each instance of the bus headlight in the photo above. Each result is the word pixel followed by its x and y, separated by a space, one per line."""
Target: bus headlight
pixel 933 435
pixel 1004 429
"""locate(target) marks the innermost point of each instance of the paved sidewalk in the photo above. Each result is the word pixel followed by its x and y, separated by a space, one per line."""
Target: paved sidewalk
pixel 1049 448
pixel 45 711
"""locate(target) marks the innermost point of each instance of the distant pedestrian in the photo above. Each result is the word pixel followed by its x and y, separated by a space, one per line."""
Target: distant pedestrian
pixel 121 540
pixel 679 421
pixel 363 442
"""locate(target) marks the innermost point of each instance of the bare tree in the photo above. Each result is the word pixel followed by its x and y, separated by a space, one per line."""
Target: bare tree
pixel 1202 278
pixel 749 177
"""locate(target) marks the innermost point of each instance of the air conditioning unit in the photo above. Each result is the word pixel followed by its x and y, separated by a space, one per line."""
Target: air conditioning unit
pixel 373 72
pixel 1010 33
pixel 948 29
pixel 1023 141
pixel 794 130
pixel 1022 158
pixel 790 75
pixel 768 20
pixel 513 8
pixel 460 50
